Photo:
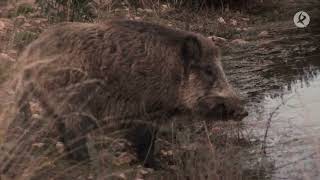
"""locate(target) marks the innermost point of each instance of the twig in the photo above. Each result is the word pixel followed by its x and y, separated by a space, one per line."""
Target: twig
pixel 208 136
pixel 269 124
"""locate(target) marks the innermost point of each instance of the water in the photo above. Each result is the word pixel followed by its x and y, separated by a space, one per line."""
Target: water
pixel 293 137
pixel 279 77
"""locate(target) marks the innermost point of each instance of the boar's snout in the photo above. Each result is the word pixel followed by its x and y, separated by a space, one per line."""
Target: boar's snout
pixel 223 108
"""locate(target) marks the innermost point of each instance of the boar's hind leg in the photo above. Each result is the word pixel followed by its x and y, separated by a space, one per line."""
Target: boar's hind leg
pixel 143 138
pixel 74 134
pixel 23 112
pixel 15 138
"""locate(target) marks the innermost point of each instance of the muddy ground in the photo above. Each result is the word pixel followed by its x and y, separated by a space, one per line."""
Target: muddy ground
pixel 267 59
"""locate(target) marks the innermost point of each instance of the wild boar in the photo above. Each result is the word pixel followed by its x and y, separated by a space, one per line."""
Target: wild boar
pixel 87 76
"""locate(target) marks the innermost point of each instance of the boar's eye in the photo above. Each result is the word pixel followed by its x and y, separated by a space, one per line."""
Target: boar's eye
pixel 209 74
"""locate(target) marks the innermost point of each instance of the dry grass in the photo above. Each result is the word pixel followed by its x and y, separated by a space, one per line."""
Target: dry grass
pixel 194 151
pixel 88 10
pixel 23 38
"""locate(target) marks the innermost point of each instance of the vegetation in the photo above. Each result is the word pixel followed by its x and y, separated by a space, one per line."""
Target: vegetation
pixel 86 10
pixel 23 38
pixel 24 9
pixel 70 10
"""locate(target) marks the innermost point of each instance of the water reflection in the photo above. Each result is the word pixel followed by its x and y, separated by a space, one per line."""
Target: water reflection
pixel 293 140
pixel 272 79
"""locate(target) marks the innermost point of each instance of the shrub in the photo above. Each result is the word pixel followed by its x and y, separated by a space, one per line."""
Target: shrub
pixel 24 9
pixel 23 38
pixel 217 4
pixel 70 10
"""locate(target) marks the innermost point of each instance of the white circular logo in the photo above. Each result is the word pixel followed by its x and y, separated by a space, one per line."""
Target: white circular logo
pixel 301 19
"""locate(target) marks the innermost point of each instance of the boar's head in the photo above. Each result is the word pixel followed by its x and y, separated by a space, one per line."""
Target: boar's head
pixel 205 89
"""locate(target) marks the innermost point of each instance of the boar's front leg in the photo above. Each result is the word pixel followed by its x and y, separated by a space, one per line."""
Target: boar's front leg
pixel 143 138
pixel 74 131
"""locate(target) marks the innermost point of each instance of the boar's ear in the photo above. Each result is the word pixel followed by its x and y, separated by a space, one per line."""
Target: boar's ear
pixel 191 50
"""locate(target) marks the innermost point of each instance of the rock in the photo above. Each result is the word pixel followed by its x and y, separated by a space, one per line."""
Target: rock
pixel 145 10
pixel 26 25
pixel 38 145
pixel 240 42
pixel 36 117
pixel 5 58
pixel 167 153
pixel 90 177
pixel 245 19
pixel 164 6
pixel 60 147
pixel 142 173
pixel 263 34
pixel 19 20
pixel 37 21
pixel 122 176
pixel 265 43
pixel 245 29
pixel 146 171
pixel 35 108
pixel 148 10
pixel 221 20
pixel 218 40
pixel 124 158
pixel 5 24
pixel 233 22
